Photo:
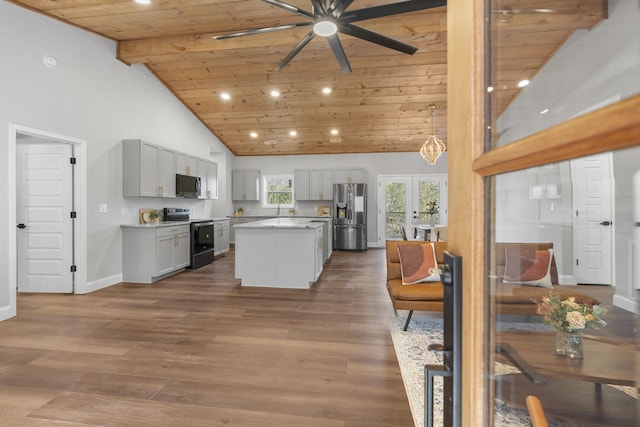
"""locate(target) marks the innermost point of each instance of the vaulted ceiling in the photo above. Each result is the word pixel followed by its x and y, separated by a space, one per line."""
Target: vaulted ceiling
pixel 381 106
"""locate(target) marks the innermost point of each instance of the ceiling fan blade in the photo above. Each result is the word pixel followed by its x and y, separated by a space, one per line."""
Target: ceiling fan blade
pixel 390 9
pixel 376 38
pixel 318 5
pixel 290 8
pixel 338 7
pixel 261 30
pixel 301 44
pixel 338 51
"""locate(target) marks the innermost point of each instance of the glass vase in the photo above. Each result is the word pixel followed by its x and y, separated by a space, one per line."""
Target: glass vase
pixel 569 344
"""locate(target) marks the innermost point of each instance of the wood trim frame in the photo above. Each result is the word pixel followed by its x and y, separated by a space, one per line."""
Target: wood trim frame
pixel 612 127
pixel 466 115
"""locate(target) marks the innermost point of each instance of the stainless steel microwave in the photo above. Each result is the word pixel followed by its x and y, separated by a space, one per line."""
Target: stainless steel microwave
pixel 187 186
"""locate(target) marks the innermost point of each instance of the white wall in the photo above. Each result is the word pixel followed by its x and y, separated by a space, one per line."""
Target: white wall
pixel 593 68
pixel 376 164
pixel 90 96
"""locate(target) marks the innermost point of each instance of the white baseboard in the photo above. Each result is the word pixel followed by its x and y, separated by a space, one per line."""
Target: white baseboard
pixel 626 303
pixel 567 279
pixel 7 312
pixel 105 282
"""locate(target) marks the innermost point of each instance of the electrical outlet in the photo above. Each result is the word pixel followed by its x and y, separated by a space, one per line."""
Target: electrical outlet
pixel 103 208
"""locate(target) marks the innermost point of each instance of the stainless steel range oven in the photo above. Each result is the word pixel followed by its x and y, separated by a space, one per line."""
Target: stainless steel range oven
pixel 202 251
pixel 202 236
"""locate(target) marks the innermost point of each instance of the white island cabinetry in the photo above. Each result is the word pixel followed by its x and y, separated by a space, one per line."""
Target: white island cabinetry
pixel 279 253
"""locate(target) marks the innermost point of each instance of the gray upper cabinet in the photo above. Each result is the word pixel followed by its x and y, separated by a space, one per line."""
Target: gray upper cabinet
pixel 313 184
pixel 211 182
pixel 187 164
pixel 302 184
pixel 350 176
pixel 245 185
pixel 321 184
pixel 148 170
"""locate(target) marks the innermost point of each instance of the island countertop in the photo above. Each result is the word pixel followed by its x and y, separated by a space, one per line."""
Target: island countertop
pixel 284 223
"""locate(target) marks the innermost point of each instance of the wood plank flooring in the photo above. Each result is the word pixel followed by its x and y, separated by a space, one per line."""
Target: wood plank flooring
pixel 199 350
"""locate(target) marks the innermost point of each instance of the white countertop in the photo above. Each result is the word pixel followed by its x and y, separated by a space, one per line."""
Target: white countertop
pixel 155 225
pixel 170 223
pixel 282 223
pixel 259 217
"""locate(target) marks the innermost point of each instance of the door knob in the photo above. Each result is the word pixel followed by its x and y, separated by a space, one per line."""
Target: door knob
pixel 22 226
pixel 605 223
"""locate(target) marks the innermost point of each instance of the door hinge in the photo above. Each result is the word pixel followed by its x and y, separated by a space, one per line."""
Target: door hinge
pixel 73 214
pixel 577 261
pixel 72 160
pixel 73 268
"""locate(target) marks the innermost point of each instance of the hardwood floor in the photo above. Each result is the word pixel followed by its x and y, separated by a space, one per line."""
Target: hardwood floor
pixel 199 350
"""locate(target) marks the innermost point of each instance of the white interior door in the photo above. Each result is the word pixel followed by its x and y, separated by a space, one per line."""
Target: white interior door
pixel 592 219
pixel 403 201
pixel 45 228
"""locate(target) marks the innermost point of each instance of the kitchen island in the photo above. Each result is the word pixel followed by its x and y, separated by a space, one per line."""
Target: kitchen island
pixel 279 252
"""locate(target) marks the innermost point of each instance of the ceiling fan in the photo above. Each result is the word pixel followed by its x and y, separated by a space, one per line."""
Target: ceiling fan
pixel 330 17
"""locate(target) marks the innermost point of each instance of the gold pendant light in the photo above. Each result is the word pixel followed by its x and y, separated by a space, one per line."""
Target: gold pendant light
pixel 433 147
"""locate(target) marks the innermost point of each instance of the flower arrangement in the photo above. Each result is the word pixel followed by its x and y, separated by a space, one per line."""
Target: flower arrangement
pixel 432 207
pixel 568 315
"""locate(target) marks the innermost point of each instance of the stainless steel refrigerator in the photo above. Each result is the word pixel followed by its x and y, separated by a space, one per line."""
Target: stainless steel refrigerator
pixel 350 217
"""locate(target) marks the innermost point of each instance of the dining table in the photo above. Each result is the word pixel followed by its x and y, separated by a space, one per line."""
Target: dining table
pixel 425 228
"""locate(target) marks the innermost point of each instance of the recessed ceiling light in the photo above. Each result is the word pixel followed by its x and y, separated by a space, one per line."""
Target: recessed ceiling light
pixel 325 28
pixel 253 134
pixel 225 96
pixel 490 89
pixel 275 93
pixel 334 131
pixel 523 83
pixel 143 1
pixel 293 133
pixel 545 111
pixel 326 90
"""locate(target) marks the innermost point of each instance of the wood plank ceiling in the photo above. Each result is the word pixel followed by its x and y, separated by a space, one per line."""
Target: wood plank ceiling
pixel 381 106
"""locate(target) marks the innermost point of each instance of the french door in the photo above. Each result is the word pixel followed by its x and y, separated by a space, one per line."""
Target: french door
pixel 406 200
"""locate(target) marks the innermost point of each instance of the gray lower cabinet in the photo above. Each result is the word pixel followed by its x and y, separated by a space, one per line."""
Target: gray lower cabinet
pixel 221 232
pixel 238 220
pixel 152 253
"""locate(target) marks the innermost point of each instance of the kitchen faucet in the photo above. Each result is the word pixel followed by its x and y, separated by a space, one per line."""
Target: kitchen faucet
pixel 278 211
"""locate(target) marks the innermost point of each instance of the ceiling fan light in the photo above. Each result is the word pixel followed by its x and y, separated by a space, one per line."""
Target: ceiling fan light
pixel 325 28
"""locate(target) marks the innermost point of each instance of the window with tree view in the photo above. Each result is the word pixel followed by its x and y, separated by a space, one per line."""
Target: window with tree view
pixel 278 191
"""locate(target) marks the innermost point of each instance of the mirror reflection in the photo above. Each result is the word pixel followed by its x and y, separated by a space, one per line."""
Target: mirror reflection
pixel 555 60
pixel 565 287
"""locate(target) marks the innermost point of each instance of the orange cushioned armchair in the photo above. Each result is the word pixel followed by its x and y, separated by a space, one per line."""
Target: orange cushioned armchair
pixel 510 298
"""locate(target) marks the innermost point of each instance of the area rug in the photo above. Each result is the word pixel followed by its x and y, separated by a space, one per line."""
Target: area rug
pixel 412 352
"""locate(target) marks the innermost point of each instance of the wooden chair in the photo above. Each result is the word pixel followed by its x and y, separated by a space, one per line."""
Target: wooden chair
pixel 536 413
pixel 403 231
